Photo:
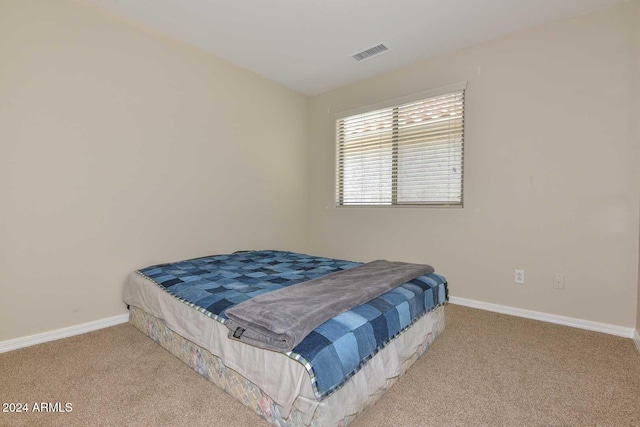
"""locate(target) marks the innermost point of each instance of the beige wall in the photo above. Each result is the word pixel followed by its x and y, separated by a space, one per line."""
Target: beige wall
pixel 636 120
pixel 551 177
pixel 120 148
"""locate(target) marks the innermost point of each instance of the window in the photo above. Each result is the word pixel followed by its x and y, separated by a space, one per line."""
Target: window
pixel 406 154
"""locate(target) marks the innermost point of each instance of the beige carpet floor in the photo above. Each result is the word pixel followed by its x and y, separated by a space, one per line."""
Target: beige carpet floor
pixel 486 369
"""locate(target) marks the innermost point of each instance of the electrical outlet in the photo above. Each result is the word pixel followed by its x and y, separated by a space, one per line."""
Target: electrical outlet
pixel 519 279
pixel 558 281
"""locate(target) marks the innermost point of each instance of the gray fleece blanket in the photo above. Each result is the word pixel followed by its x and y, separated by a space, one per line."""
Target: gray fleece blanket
pixel 280 319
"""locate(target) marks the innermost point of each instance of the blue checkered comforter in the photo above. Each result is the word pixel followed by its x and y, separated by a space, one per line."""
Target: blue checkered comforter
pixel 334 351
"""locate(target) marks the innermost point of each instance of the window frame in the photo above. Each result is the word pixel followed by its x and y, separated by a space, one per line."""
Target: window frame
pixel 395 104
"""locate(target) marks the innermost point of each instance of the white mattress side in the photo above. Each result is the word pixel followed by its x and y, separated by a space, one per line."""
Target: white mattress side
pixel 278 375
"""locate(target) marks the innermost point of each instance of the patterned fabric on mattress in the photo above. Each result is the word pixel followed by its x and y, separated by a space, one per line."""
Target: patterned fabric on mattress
pixel 334 351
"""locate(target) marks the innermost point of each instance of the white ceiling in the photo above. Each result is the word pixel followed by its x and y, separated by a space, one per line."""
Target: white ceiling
pixel 307 45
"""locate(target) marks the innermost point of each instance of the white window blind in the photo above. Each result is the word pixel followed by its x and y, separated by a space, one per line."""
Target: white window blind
pixel 405 154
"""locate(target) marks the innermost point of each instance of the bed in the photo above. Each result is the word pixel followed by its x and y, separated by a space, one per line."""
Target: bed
pixel 335 373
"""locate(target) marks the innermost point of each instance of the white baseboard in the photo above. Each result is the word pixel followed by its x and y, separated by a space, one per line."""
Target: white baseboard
pixel 30 340
pixel 620 331
pixel 545 317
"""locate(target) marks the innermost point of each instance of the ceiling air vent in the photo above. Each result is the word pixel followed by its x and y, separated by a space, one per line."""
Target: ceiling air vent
pixel 372 51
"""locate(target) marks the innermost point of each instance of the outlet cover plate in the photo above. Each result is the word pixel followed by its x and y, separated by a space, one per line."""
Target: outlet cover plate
pixel 558 281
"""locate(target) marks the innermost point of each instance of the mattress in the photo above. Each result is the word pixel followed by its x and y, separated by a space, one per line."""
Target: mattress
pixel 339 409
pixel 284 380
